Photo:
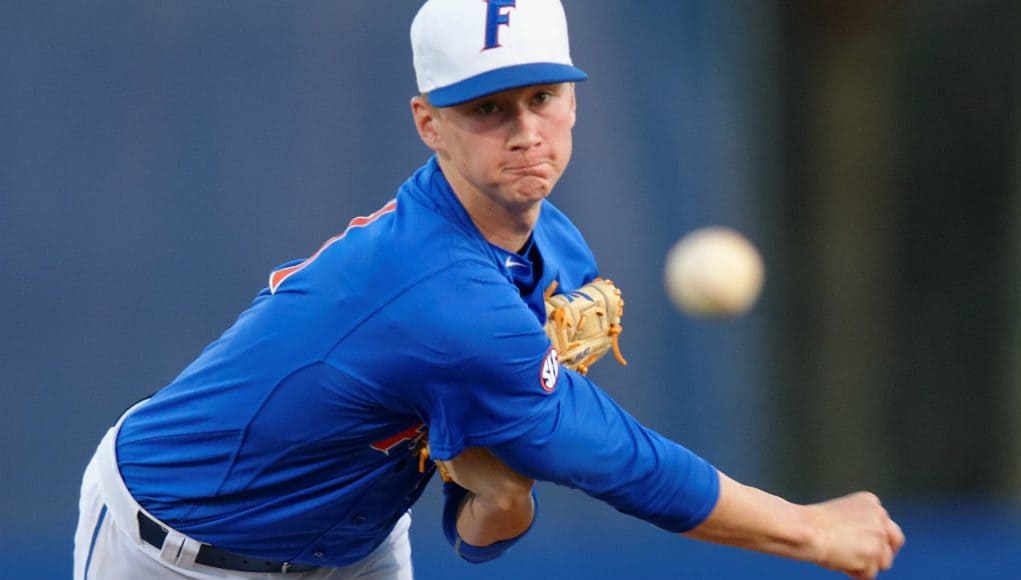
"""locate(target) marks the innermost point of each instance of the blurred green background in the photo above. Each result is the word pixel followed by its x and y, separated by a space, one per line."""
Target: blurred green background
pixel 159 158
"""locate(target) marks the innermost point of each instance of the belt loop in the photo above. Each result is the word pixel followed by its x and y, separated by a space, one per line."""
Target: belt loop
pixel 179 550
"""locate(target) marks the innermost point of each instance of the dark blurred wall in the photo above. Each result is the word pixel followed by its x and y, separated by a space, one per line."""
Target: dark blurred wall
pixel 961 68
pixel 838 229
pixel 1010 378
pixel 901 167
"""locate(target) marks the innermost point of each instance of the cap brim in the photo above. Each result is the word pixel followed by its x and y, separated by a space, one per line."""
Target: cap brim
pixel 501 79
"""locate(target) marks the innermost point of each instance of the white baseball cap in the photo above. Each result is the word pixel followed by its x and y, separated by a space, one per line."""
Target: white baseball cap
pixel 465 49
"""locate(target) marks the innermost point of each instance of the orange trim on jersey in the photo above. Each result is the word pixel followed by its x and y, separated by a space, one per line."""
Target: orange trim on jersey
pixel 412 433
pixel 277 277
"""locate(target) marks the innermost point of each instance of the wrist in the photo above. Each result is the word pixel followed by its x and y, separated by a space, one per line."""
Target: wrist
pixel 812 535
pixel 794 533
pixel 750 518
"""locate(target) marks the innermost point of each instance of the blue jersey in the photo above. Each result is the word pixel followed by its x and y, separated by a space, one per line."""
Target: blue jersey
pixel 293 436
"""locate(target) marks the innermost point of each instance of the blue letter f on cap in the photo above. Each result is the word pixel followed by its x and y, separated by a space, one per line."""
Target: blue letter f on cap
pixel 495 18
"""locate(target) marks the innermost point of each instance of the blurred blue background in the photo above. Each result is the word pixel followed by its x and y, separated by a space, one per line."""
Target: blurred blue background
pixel 159 158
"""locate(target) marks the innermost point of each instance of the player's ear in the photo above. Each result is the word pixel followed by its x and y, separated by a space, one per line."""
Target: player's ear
pixel 425 116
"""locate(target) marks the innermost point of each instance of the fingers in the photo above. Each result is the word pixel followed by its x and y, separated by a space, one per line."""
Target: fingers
pixel 896 536
pixel 886 556
pixel 893 537
pixel 894 540
pixel 863 538
pixel 879 556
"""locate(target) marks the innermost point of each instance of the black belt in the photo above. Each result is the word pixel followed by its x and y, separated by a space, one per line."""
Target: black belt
pixel 154 534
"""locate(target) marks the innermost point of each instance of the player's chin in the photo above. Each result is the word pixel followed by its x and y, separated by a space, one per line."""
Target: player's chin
pixel 530 194
pixel 531 188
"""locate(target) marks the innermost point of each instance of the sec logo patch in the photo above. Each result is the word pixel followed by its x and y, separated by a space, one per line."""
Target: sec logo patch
pixel 550 371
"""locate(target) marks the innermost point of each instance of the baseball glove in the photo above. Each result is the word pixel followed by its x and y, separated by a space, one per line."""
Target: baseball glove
pixel 584 324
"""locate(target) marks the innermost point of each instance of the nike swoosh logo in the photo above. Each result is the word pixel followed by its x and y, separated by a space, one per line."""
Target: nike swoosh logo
pixel 508 263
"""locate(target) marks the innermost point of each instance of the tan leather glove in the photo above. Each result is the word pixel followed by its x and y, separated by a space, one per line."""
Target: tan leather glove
pixel 584 324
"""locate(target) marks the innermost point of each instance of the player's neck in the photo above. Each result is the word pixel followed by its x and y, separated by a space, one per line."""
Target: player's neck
pixel 507 231
pixel 505 227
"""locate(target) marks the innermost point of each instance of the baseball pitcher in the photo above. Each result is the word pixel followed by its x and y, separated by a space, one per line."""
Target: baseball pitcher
pixel 453 324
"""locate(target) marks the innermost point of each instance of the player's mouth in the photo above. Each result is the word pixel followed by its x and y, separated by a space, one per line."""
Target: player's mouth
pixel 539 169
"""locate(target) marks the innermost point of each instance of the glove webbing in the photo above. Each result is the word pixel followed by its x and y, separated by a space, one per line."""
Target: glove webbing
pixel 559 317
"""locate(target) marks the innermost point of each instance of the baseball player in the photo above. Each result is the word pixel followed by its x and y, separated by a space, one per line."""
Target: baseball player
pixel 296 442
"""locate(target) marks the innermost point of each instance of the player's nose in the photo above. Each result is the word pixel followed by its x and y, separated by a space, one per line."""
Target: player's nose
pixel 526 130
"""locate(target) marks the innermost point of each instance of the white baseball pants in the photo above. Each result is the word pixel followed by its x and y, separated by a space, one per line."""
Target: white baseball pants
pixel 107 544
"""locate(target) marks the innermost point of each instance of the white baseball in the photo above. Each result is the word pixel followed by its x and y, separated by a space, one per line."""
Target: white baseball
pixel 714 271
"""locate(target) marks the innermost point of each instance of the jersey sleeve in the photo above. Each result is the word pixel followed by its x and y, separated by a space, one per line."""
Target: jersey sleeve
pixel 494 381
pixel 590 443
pixel 494 373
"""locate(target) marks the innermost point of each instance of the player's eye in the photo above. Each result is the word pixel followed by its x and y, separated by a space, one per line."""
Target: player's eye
pixel 543 97
pixel 487 109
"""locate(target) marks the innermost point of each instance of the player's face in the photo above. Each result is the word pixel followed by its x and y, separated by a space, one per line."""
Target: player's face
pixel 509 147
